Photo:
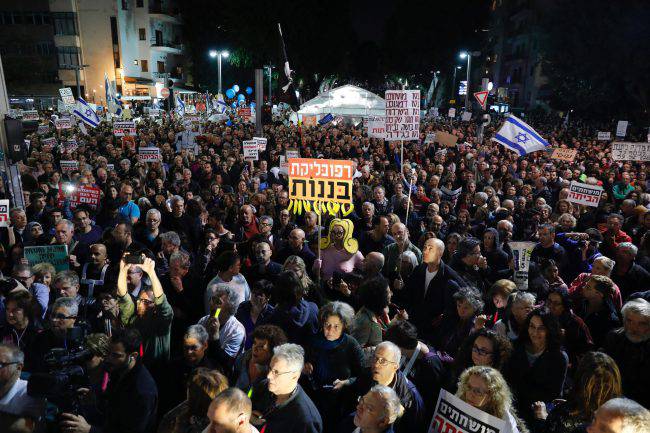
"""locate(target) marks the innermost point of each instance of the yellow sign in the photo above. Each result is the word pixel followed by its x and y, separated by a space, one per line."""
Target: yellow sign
pixel 321 185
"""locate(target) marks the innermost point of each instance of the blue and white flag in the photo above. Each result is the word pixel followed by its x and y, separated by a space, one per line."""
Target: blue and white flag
pixel 113 104
pixel 180 106
pixel 220 105
pixel 517 135
pixel 86 113
pixel 327 119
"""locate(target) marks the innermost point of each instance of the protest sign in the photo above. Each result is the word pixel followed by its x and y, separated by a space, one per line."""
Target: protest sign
pixel 292 153
pixel 452 113
pixel 430 138
pixel 402 115
pixel 604 135
pixel 43 129
pixel 244 113
pixel 324 185
pixel 123 128
pixel 69 145
pixel 4 213
pixel 466 116
pixel 261 143
pixel 453 415
pixel 621 128
pixel 450 195
pixel 564 154
pixel 149 154
pixel 627 151
pixel 521 252
pixel 582 193
pixel 56 255
pixel 62 123
pixel 30 115
pixel 68 166
pixel 446 139
pixel 48 144
pixel 66 96
pixel 84 195
pixel 251 150
pixel 309 121
pixel 377 127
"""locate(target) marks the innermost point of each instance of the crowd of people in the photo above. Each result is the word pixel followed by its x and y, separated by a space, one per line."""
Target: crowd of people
pixel 194 300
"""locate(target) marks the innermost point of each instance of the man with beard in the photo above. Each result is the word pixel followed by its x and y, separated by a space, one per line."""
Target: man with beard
pixel 132 393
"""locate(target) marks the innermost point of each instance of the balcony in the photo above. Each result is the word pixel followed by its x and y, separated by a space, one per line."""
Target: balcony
pixel 170 47
pixel 162 12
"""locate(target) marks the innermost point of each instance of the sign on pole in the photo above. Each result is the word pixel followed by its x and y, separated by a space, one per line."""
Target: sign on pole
pixel 62 123
pixel 521 252
pixel 626 151
pixel 584 194
pixel 402 115
pixel 164 92
pixel 482 97
pixel 621 128
pixel 4 213
pixel 452 113
pixel 377 127
pixel 324 185
pixel 56 255
pixel 124 128
pixel 251 150
pixel 454 415
pixel 66 96
pixel 604 135
pixel 149 154
pixel 562 154
pixel 261 143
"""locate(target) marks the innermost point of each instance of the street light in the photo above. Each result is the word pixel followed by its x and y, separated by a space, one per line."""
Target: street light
pixel 218 55
pixel 453 83
pixel 468 55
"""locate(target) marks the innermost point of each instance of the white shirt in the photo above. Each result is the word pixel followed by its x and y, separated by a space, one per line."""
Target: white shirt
pixel 17 402
pixel 427 279
pixel 232 335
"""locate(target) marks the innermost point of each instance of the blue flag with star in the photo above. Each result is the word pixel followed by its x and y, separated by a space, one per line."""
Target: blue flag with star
pixel 85 113
pixel 518 136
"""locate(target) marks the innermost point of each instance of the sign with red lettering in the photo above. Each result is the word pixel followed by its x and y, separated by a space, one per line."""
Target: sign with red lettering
pixel 4 213
pixel 84 195
pixel 453 415
pixel 244 113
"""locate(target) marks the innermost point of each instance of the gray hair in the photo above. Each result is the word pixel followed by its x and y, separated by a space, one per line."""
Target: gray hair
pixel 70 277
pixel 197 332
pixel 520 297
pixel 483 196
pixel 340 309
pixel 69 304
pixel 181 257
pixel 628 246
pixel 472 296
pixel 634 417
pixel 638 306
pixel 220 289
pixel 68 223
pixel 268 219
pixel 367 203
pixel 293 355
pixel 392 348
pixel 392 405
pixel 410 256
pixel 176 198
pixel 15 354
pixel 607 262
pixel 155 212
pixel 171 237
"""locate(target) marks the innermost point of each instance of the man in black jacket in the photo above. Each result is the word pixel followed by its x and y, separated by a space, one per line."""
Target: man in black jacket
pixel 132 396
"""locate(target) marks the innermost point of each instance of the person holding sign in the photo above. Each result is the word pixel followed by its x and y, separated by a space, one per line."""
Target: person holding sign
pixel 485 388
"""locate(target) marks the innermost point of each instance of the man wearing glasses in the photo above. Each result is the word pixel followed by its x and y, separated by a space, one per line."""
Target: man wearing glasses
pixel 284 406
pixel 63 317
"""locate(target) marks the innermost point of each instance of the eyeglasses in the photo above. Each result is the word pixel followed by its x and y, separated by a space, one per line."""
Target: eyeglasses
pixel 480 351
pixel 477 391
pixel 276 373
pixel 145 301
pixel 5 364
pixel 62 317
pixel 382 361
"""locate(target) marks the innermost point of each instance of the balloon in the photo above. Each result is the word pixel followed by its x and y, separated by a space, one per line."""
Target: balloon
pixel 249 90
pixel 234 105
pixel 235 88
pixel 230 93
pixel 252 105
pixel 229 123
pixel 241 97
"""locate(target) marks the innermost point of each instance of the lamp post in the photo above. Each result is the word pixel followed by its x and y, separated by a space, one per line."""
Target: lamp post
pixel 468 55
pixel 453 83
pixel 270 67
pixel 219 55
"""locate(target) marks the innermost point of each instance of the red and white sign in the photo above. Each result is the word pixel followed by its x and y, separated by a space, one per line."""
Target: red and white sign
pixel 261 143
pixel 68 166
pixel 121 129
pixel 149 154
pixel 245 114
pixel 4 213
pixel 251 150
pixel 481 97
pixel 164 92
pixel 84 195
pixel 63 123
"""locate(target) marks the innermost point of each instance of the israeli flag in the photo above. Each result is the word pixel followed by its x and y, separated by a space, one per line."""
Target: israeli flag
pixel 325 120
pixel 517 135
pixel 220 105
pixel 113 104
pixel 86 113
pixel 180 106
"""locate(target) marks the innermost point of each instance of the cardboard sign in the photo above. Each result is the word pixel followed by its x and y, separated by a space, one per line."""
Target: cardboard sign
pixel 402 115
pixel 453 415
pixel 604 136
pixel 68 166
pixel 30 115
pixel 62 123
pixel 251 150
pixel 377 127
pixel 564 154
pixel 521 252
pixel 621 128
pixel 430 138
pixel 66 96
pixel 149 154
pixel 627 151
pixel 56 255
pixel 261 143
pixel 452 113
pixel 121 129
pixel 309 121
pixel 581 193
pixel 324 185
pixel 4 213
pixel 446 139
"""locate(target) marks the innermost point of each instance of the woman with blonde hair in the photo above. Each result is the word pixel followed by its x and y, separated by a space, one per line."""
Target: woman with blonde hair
pixel 312 292
pixel 597 380
pixel 339 250
pixel 485 388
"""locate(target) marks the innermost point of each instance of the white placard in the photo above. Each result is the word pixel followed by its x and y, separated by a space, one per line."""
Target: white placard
pixel 149 154
pixel 377 126
pixel 452 113
pixel 43 129
pixel 627 151
pixel 453 415
pixel 30 115
pixel 122 129
pixel 48 143
pixel 466 116
pixel 521 252
pixel 402 115
pixel 621 128
pixel 261 143
pixel 4 213
pixel 66 95
pixel 582 193
pixel 604 135
pixel 70 145
pixel 251 150
pixel 68 166
pixel 292 153
pixel 62 123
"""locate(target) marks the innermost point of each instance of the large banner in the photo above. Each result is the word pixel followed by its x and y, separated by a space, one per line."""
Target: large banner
pixel 402 115
pixel 521 252
pixel 121 129
pixel 626 151
pixel 377 127
pixel 453 415
pixel 324 185
pixel 56 255
pixel 582 193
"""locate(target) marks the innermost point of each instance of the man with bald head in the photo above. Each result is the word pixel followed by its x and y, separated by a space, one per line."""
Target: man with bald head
pixel 295 245
pixel 430 288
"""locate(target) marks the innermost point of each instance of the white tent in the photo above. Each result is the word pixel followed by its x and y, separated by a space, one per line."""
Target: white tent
pixel 346 100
